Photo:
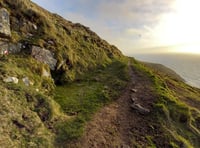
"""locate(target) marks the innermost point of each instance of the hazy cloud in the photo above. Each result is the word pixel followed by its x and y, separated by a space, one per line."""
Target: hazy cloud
pixel 129 24
pixel 133 11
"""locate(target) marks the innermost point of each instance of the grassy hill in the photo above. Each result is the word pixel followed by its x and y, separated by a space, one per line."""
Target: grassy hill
pixel 54 109
pixel 176 108
pixel 56 104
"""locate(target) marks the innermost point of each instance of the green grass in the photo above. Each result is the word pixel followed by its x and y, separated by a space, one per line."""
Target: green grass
pixel 78 97
pixel 82 98
pixel 171 112
pixel 152 145
pixel 76 48
pixel 27 112
pixel 93 73
pixel 86 66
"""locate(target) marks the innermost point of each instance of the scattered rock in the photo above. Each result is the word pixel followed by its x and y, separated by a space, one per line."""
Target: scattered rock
pixel 29 35
pixel 26 26
pixel 140 108
pixel 44 56
pixel 4 23
pixel 134 90
pixel 137 106
pixel 14 48
pixel 51 42
pixel 11 80
pixel 134 99
pixel 35 26
pixel 26 81
pixel 4 48
pixel 7 47
pixel 45 73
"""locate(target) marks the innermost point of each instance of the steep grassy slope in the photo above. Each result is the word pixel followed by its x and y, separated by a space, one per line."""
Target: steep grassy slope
pixel 27 112
pixel 43 114
pixel 75 46
pixel 176 109
pixel 52 111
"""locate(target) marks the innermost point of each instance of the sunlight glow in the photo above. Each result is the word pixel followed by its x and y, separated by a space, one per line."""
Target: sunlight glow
pixel 181 26
pixel 190 48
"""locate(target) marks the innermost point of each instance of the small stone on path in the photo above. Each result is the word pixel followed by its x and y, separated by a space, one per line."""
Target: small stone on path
pixel 133 99
pixel 134 90
pixel 140 108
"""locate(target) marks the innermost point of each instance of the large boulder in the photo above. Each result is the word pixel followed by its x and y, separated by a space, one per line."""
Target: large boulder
pixel 44 56
pixel 4 23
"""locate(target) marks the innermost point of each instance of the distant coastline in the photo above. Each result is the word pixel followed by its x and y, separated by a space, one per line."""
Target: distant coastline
pixel 164 70
pixel 185 65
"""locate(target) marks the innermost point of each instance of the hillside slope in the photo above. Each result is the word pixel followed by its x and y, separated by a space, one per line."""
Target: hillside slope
pixel 75 46
pixel 173 120
pixel 43 57
pixel 57 77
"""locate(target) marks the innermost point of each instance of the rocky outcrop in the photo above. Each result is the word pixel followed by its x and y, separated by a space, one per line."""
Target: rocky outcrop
pixel 6 47
pixel 40 54
pixel 4 23
pixel 44 56
pixel 14 48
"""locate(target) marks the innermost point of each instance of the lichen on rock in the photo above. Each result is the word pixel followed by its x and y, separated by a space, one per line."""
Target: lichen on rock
pixel 44 56
pixel 4 23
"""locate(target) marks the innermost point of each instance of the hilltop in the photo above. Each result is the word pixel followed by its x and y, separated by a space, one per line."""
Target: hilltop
pixel 64 86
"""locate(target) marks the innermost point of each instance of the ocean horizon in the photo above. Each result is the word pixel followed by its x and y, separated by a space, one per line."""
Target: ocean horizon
pixel 185 65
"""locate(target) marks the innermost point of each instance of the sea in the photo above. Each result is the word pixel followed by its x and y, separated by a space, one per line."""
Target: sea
pixel 186 65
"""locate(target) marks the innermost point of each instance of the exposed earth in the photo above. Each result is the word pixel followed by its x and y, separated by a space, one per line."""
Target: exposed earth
pixel 57 81
pixel 117 124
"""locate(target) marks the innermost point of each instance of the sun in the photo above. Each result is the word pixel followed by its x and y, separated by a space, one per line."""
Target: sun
pixel 181 26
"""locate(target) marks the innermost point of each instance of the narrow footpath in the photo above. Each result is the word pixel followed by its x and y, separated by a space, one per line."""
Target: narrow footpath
pixel 119 125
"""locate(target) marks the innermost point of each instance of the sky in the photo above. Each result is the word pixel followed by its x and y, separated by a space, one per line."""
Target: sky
pixel 136 26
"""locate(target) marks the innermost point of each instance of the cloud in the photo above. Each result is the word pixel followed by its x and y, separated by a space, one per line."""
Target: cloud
pixel 133 11
pixel 129 24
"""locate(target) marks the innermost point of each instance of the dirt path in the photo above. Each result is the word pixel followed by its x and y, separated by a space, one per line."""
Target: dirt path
pixel 118 125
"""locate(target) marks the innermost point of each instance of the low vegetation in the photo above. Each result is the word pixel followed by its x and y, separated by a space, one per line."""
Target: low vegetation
pixel 78 100
pixel 82 98
pixel 90 73
pixel 175 109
